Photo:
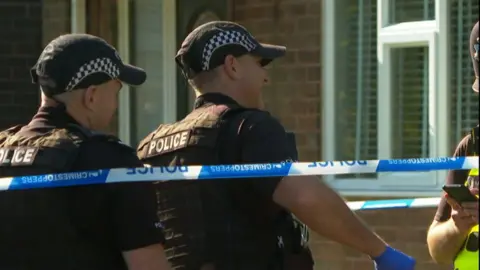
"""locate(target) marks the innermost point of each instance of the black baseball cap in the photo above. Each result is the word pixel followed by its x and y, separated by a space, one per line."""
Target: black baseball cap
pixel 206 47
pixel 76 61
pixel 475 53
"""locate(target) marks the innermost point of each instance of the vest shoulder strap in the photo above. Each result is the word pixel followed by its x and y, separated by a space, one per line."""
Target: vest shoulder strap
pixel 8 132
pixel 85 133
pixel 236 126
pixel 57 149
pixel 211 117
pixel 142 145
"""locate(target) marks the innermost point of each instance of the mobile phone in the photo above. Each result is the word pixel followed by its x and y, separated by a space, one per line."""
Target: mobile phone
pixel 460 193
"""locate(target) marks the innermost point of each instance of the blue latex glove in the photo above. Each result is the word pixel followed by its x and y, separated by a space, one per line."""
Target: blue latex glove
pixel 392 259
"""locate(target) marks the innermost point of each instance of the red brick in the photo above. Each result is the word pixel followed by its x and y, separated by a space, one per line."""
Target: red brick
pixel 309 56
pixel 255 12
pixel 293 10
pixel 286 27
pixel 297 74
pixel 251 3
pixel 314 73
pixel 308 25
pixel 392 225
pixel 289 97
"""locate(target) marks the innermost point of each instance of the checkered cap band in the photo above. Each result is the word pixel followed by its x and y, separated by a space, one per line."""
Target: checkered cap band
pixel 222 39
pixel 99 65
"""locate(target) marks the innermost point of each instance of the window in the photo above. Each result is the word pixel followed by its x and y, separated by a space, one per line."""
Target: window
pixel 355 81
pixel 128 26
pixel 386 93
pixel 411 10
pixel 153 45
pixel 410 103
pixel 463 15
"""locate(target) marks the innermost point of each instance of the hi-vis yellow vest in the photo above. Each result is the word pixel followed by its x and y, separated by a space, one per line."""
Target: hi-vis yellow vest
pixel 467 258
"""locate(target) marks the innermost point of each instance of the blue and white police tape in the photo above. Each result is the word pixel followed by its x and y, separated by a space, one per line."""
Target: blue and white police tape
pixel 154 174
pixel 395 203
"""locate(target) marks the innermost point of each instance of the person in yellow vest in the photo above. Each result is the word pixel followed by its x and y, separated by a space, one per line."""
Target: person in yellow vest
pixel 467 258
pixel 453 235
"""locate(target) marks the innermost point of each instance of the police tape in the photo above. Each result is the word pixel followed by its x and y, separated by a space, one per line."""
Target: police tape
pixel 154 174
pixel 395 203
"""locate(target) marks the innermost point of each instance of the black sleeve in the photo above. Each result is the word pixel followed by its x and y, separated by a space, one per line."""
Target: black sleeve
pixel 133 206
pixel 264 140
pixel 453 177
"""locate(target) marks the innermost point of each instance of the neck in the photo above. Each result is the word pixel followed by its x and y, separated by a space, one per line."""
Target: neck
pixel 224 91
pixel 75 113
pixel 79 117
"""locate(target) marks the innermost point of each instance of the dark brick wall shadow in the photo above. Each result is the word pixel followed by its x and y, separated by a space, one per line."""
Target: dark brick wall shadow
pixel 20 45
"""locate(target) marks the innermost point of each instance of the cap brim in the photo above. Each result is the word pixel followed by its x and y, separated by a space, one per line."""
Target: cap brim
pixel 269 52
pixel 475 85
pixel 132 75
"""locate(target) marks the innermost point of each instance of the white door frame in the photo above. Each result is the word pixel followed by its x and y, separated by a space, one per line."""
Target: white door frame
pixel 78 25
pixel 169 84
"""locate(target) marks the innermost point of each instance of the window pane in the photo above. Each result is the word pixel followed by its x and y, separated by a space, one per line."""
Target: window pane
pixel 146 44
pixel 412 10
pixel 410 103
pixel 356 80
pixel 464 14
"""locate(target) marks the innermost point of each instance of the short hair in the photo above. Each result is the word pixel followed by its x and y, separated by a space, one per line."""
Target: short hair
pixel 203 78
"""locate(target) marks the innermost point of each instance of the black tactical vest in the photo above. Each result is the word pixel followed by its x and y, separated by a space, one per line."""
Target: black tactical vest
pixel 36 229
pixel 218 224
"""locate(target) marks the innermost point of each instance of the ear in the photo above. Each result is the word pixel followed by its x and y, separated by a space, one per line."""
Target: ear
pixel 90 97
pixel 232 67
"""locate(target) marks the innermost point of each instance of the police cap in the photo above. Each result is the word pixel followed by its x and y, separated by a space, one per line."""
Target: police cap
pixel 76 61
pixel 206 47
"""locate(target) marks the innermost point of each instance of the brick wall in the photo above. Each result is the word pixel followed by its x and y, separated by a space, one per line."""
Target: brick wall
pixel 294 96
pixel 20 45
pixel 294 91
pixel 405 229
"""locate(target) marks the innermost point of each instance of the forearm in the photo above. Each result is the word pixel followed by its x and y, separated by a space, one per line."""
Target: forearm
pixel 325 212
pixel 444 241
pixel 147 258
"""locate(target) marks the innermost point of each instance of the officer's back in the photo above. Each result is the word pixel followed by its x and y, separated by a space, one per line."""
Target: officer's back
pixel 86 227
pixel 218 224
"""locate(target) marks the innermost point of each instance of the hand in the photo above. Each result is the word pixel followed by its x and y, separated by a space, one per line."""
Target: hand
pixel 393 259
pixel 472 207
pixel 464 215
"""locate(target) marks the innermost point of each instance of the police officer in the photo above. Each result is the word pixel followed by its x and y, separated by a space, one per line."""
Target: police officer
pixel 453 235
pixel 243 224
pixel 109 227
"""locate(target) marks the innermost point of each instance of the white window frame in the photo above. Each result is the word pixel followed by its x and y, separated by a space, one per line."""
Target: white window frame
pixel 123 44
pixel 404 35
pixel 169 84
pixel 78 14
pixel 431 34
pixel 169 67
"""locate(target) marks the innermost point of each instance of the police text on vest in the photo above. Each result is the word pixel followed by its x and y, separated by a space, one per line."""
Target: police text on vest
pixel 18 156
pixel 168 143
